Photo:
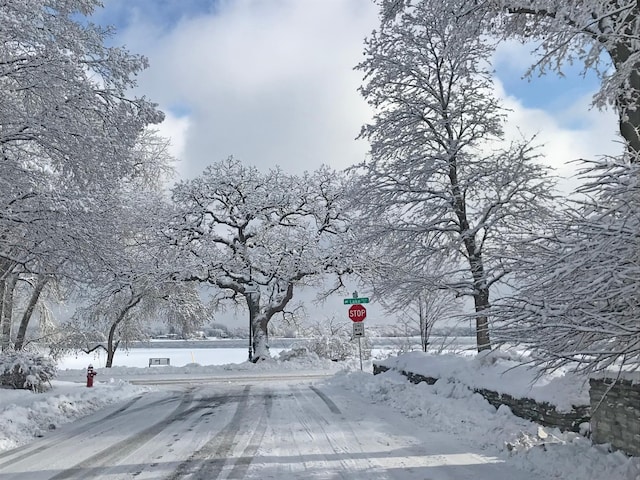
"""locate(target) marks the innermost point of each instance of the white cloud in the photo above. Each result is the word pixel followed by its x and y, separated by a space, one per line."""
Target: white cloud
pixel 175 129
pixel 269 82
pixel 272 83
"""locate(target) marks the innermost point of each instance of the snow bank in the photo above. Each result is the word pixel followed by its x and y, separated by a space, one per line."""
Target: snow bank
pixel 450 407
pixel 25 415
pixel 310 361
pixel 499 372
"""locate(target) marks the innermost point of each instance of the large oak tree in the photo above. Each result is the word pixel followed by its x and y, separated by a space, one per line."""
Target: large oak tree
pixel 257 236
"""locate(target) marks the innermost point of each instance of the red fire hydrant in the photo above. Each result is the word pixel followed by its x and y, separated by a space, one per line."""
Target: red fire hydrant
pixel 90 374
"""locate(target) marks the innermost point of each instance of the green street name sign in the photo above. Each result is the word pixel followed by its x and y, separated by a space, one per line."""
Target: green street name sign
pixel 352 301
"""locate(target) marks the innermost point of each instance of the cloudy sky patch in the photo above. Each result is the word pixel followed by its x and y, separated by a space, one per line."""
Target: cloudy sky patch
pixel 272 82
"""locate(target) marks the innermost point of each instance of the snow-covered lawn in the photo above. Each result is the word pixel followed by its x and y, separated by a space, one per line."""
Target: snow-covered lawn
pixel 446 407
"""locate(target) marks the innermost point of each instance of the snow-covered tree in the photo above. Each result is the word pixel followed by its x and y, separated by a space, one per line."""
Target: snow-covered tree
pixel 331 338
pixel 64 93
pixel 115 314
pixel 603 35
pixel 54 230
pixel 130 280
pixel 579 302
pixel 406 290
pixel 439 187
pixel 257 236
pixel 68 126
pixel 36 284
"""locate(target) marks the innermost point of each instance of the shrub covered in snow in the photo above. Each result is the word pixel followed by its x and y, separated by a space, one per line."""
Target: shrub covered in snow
pixel 24 370
pixel 294 353
pixel 332 347
pixel 337 347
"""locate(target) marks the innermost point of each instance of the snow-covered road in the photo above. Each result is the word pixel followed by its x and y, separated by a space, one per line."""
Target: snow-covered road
pixel 257 428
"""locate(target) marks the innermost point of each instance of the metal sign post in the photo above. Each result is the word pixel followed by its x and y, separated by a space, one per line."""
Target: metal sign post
pixel 358 331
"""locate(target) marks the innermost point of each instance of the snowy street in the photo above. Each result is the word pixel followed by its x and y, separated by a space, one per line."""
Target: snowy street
pixel 319 240
pixel 289 428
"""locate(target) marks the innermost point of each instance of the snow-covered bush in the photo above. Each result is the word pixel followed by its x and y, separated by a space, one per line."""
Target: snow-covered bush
pixel 331 338
pixel 24 370
pixel 337 347
pixel 297 352
pixel 333 347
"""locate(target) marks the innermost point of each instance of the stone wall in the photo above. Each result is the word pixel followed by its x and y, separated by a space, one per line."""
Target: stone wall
pixel 539 412
pixel 615 419
pixel 412 377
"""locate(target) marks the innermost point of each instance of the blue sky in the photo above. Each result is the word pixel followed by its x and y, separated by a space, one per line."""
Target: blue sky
pixel 549 92
pixel 167 13
pixel 272 82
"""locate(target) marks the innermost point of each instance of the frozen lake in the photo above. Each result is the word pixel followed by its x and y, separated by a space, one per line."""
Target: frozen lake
pixel 225 351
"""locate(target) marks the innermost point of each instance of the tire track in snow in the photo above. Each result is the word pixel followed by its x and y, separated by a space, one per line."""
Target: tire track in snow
pixel 312 423
pixel 242 463
pixel 332 406
pixel 87 468
pixel 208 461
pixel 340 440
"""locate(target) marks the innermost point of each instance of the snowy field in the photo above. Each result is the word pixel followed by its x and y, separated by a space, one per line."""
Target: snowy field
pixel 446 411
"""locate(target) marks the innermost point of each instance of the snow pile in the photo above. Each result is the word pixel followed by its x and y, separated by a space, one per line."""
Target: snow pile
pixel 500 372
pixel 452 407
pixel 25 415
pixel 283 362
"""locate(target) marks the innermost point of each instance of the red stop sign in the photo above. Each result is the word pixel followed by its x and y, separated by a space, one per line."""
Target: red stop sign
pixel 357 313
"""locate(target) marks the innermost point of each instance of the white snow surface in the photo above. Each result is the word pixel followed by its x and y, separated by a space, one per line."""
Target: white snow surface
pixel 448 407
pixel 501 372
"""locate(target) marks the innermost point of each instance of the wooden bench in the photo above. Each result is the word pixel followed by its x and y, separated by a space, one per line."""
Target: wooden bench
pixel 158 361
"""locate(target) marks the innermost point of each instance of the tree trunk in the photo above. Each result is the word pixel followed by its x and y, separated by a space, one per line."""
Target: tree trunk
pixel 259 318
pixel 424 332
pixel 476 265
pixel 2 290
pixel 9 285
pixel 112 347
pixel 480 298
pixel 112 343
pixel 481 301
pixel 6 267
pixel 260 338
pixel 26 316
pixel 259 323
pixel 253 302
